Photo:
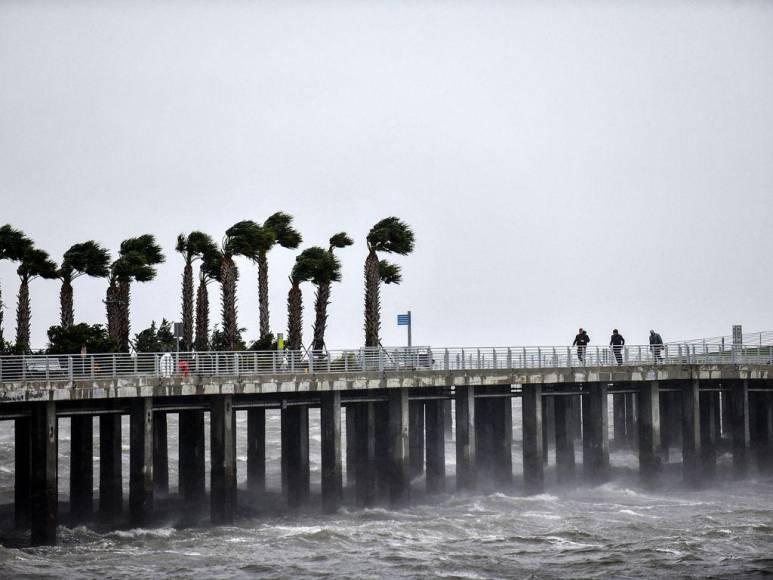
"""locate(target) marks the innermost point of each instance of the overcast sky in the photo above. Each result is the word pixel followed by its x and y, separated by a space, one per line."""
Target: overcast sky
pixel 564 164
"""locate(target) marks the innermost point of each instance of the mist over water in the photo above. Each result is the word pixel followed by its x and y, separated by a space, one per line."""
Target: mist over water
pixel 617 529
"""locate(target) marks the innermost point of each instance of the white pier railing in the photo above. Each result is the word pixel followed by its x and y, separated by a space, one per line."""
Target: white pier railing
pixel 45 368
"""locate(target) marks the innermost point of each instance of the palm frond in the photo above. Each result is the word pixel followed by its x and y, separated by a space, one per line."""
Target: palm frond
pixel 340 240
pixel 391 235
pixel 389 273
pixel 13 243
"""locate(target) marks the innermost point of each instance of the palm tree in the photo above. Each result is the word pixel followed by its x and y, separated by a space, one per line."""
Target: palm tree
pixel 241 239
pixel 278 230
pixel 13 245
pixel 192 247
pixel 328 273
pixel 88 258
pixel 209 269
pixel 392 236
pixel 306 265
pixel 136 263
pixel 33 264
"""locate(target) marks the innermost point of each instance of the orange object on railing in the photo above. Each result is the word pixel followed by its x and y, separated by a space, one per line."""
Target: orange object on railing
pixel 184 368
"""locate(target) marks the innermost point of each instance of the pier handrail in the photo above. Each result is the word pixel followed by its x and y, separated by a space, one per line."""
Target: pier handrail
pixel 185 365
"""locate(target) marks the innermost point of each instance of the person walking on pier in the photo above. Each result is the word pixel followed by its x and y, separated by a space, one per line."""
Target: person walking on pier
pixel 581 341
pixel 617 341
pixel 656 346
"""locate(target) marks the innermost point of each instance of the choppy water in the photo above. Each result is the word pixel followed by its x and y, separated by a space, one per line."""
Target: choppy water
pixel 614 530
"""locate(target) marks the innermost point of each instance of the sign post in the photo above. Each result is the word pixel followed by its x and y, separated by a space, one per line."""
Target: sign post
pixel 405 320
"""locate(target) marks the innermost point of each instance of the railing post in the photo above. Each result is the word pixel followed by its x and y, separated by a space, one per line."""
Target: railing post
pixel 464 361
pixel 555 358
pixel 273 361
pixel 568 356
pixel 156 365
pixel 70 371
pixel 115 367
pixel 478 359
pixel 509 357
pixel 346 361
pixel 446 362
pixel 311 361
pixel 236 364
pixel 539 357
pixel 524 365
pixel 494 357
pixel 380 359
pixel 47 375
pixel 91 365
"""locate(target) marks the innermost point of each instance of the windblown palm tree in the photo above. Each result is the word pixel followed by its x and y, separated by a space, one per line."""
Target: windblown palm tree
pixel 392 236
pixel 307 263
pixel 211 264
pixel 136 263
pixel 88 258
pixel 192 247
pixel 277 230
pixel 242 239
pixel 13 245
pixel 34 264
pixel 329 272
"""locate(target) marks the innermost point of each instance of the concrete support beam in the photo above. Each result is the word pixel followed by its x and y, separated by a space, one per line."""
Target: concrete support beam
pixel 665 403
pixel 436 450
pixel 81 468
pixel 533 466
pixel 618 421
pixel 332 480
pixel 691 432
pixel 192 458
pixel 416 436
pixel 739 419
pixel 43 481
pixel 725 413
pixel 548 424
pixel 767 463
pixel 22 472
pixel 709 411
pixel 222 430
pixel 110 469
pixel 595 429
pixel 501 413
pixel 364 436
pixel 466 462
pixel 632 420
pixel 256 450
pixel 399 474
pixel 295 455
pixel 565 464
pixel 141 461
pixel 449 418
pixel 649 430
pixel 484 439
pixel 160 455
pixel 351 453
pixel 381 410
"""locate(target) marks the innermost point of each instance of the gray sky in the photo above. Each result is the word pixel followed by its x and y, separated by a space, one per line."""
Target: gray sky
pixel 563 163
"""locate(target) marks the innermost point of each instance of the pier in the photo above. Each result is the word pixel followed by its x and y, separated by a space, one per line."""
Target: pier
pixel 395 405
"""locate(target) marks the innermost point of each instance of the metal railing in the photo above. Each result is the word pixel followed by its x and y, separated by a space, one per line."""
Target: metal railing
pixel 183 365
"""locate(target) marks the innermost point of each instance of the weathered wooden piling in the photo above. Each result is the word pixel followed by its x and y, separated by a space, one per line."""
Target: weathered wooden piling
pixel 435 419
pixel 739 419
pixel 649 430
pixel 364 435
pixel 565 462
pixel 256 450
pixel 141 461
pixel 399 474
pixel 416 436
pixel 330 423
pixel 81 467
pixel 595 428
pixel 22 472
pixel 160 455
pixel 533 466
pixel 691 432
pixel 466 461
pixel 110 468
pixel 295 455
pixel 191 470
pixel 223 460
pixel 44 440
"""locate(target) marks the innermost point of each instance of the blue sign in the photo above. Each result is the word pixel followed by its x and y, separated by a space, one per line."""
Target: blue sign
pixel 403 319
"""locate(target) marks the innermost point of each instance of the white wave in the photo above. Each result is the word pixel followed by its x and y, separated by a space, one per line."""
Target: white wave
pixel 143 532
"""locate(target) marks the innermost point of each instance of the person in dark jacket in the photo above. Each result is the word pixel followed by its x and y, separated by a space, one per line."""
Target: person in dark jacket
pixel 656 346
pixel 617 341
pixel 581 341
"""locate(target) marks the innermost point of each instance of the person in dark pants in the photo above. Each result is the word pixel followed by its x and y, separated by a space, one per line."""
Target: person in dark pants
pixel 617 341
pixel 581 341
pixel 656 346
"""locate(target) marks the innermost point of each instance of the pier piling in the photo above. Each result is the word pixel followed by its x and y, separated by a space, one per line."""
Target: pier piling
pixel 565 463
pixel 141 461
pixel 595 429
pixel 466 462
pixel 330 420
pixel 223 460
pixel 191 471
pixel 81 468
pixel 416 436
pixel 110 468
pixel 22 472
pixel 533 466
pixel 436 446
pixel 44 499
pixel 256 450
pixel 739 419
pixel 160 455
pixel 399 476
pixel 649 430
pixel 691 432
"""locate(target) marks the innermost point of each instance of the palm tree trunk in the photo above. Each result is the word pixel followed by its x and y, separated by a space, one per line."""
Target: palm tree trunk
pixel 202 317
pixel 124 325
pixel 295 317
pixel 113 311
pixel 372 301
pixel 67 312
pixel 263 293
pixel 187 307
pixel 228 282
pixel 23 316
pixel 320 323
